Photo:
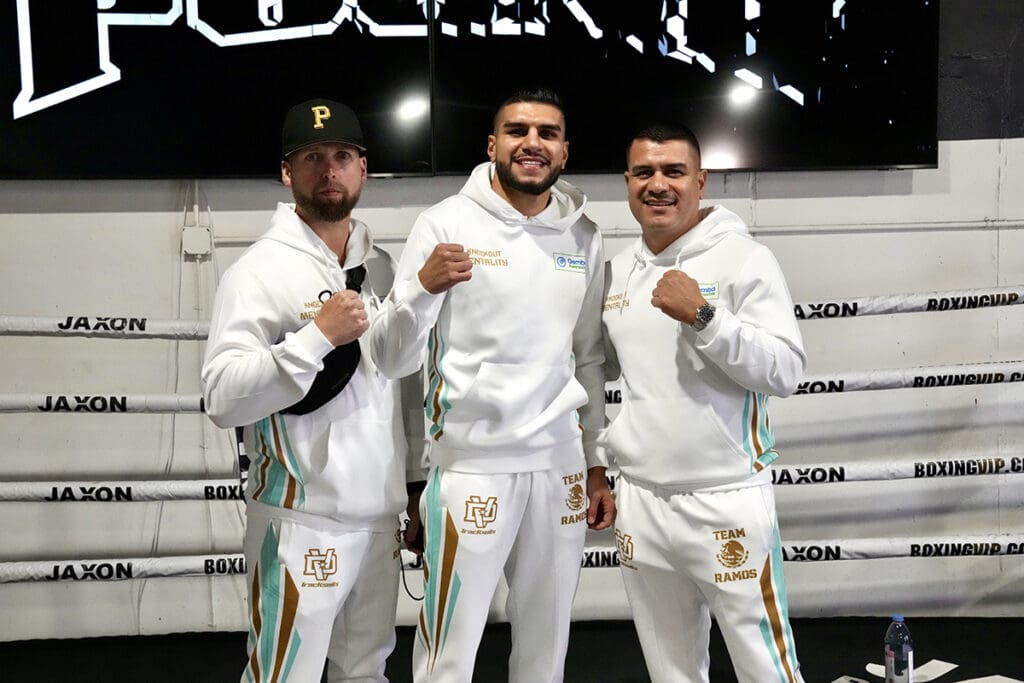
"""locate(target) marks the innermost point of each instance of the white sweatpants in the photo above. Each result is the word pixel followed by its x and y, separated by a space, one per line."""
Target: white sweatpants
pixel 686 556
pixel 317 592
pixel 531 526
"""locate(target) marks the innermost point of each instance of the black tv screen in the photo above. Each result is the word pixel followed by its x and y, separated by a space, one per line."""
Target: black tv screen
pixel 197 88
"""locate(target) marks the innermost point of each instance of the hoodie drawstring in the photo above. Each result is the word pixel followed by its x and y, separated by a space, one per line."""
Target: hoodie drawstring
pixel 638 262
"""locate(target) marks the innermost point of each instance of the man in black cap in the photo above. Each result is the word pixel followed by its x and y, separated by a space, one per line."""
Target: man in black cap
pixel 323 427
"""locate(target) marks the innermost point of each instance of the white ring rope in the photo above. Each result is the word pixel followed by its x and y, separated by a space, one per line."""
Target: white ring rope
pixel 878 548
pixel 120 491
pixel 955 300
pixel 594 556
pixel 110 327
pixel 234 490
pixel 831 473
pixel 122 327
pixel 100 403
pixel 857 549
pixel 849 549
pixel 914 378
pixel 122 568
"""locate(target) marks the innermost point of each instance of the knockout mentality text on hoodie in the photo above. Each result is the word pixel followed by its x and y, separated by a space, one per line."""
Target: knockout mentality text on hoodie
pixel 513 355
pixel 694 410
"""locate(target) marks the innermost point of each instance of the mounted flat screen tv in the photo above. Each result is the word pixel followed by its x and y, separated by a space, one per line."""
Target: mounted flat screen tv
pixel 197 88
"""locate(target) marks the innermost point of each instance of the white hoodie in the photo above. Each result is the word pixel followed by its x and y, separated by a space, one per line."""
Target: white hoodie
pixel 514 354
pixel 694 412
pixel 345 460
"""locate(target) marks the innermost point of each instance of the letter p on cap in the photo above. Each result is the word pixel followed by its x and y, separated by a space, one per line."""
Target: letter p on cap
pixel 320 114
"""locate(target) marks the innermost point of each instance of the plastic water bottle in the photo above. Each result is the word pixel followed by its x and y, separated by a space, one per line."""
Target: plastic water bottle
pixel 899 652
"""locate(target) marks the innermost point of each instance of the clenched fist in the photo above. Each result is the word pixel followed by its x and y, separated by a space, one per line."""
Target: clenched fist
pixel 342 318
pixel 678 296
pixel 447 266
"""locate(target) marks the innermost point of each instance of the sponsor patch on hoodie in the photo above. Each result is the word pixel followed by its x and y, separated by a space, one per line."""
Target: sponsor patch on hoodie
pixel 709 290
pixel 571 263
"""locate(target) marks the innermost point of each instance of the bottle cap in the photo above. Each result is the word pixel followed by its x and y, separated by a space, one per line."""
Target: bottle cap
pixel 897 617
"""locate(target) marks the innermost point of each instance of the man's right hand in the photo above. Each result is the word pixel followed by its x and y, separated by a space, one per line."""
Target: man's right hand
pixel 447 266
pixel 342 318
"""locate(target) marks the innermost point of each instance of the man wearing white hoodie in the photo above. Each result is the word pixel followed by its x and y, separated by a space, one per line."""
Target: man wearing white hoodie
pixel 501 287
pixel 700 325
pixel 324 428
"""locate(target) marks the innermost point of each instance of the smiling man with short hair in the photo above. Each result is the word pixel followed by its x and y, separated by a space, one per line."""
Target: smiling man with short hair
pixel 700 327
pixel 500 287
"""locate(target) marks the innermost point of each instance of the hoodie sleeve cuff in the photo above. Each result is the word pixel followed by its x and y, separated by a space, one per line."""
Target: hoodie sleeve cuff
pixel 710 331
pixel 312 341
pixel 724 321
pixel 423 304
pixel 595 456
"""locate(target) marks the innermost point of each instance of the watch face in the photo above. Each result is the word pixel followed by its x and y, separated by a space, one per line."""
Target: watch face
pixel 704 315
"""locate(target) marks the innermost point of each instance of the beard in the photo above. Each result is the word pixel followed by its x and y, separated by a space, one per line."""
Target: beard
pixel 510 182
pixel 329 211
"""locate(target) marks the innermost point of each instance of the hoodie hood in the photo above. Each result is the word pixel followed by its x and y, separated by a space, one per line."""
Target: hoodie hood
pixel 287 228
pixel 716 223
pixel 564 209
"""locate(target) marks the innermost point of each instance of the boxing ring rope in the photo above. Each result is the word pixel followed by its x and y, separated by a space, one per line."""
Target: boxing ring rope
pixel 929 377
pixel 124 327
pixel 122 568
pixel 870 380
pixel 233 490
pixel 121 491
pixel 917 378
pixel 114 569
pixel 837 473
pixel 955 300
pixel 109 327
pixel 99 403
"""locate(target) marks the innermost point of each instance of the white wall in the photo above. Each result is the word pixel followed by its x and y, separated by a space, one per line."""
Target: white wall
pixel 113 248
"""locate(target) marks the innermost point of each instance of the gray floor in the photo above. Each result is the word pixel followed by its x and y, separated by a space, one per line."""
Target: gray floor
pixel 602 652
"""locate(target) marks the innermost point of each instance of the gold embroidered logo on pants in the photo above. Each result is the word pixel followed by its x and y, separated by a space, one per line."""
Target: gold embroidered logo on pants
pixel 624 544
pixel 321 565
pixel 576 499
pixel 481 512
pixel 732 554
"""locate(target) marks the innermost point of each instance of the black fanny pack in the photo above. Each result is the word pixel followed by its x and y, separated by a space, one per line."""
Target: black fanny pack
pixel 339 365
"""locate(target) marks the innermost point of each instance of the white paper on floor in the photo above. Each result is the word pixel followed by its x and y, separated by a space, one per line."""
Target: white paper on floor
pixel 931 671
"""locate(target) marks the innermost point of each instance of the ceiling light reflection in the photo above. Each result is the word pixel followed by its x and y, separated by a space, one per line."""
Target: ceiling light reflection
pixel 412 108
pixel 742 95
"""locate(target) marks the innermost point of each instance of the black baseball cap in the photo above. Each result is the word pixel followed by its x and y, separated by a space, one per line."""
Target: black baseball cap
pixel 320 120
